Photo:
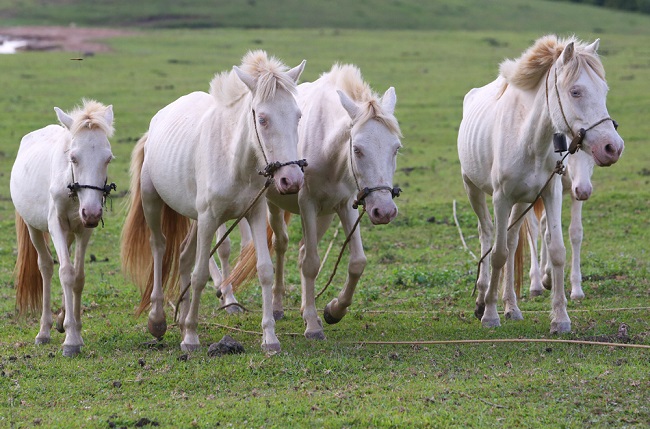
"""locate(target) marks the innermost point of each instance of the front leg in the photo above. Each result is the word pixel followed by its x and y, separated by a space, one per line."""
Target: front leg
pixel 338 307
pixel 206 228
pixel 73 341
pixel 575 234
pixel 281 242
pixel 515 259
pixel 257 221
pixel 560 322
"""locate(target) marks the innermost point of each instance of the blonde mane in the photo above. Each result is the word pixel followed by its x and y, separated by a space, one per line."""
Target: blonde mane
pixel 526 71
pixel 91 116
pixel 348 78
pixel 268 72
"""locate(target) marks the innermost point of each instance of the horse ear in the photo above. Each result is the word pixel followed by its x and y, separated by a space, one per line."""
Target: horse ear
pixel 295 72
pixel 64 118
pixel 349 105
pixel 248 80
pixel 594 46
pixel 388 101
pixel 567 53
pixel 109 114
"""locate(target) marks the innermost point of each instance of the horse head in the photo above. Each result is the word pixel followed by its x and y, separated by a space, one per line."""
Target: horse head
pixel 89 154
pixel 276 115
pixel 374 144
pixel 581 92
pixel 580 167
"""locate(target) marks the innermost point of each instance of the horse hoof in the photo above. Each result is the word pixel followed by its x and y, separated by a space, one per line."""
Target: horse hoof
pixel 329 318
pixel 278 314
pixel 490 323
pixel 514 315
pixel 536 292
pixel 219 293
pixel 157 329
pixel 577 296
pixel 271 347
pixel 190 347
pixel 315 335
pixel 42 340
pixel 560 327
pixel 234 309
pixel 59 322
pixel 71 351
pixel 479 310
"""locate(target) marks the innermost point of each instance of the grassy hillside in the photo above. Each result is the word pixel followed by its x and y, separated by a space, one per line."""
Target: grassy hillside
pixel 469 15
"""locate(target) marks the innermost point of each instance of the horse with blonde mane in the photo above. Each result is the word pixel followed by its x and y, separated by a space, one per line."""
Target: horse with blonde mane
pixel 201 159
pixel 351 138
pixel 59 186
pixel 505 148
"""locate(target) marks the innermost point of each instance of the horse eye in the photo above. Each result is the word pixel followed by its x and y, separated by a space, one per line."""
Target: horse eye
pixel 73 159
pixel 262 120
pixel 357 151
pixel 575 93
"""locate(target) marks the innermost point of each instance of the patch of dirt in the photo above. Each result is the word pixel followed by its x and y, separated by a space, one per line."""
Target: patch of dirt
pixel 72 39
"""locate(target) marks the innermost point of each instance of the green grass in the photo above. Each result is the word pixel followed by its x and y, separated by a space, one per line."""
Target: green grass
pixel 418 282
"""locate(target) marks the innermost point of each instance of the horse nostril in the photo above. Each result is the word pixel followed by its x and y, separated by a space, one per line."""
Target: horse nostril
pixel 284 182
pixel 610 149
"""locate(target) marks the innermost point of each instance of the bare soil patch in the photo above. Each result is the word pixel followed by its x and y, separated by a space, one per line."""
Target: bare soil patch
pixel 73 39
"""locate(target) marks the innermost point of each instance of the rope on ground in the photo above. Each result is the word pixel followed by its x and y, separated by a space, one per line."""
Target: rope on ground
pixel 504 340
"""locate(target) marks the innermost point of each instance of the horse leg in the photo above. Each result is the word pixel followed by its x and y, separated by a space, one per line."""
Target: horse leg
pixel 81 245
pixel 338 307
pixel 73 342
pixel 576 234
pixel 512 311
pixel 281 242
pixel 257 221
pixel 309 266
pixel 152 205
pixel 185 263
pixel 544 261
pixel 536 288
pixel 485 230
pixel 206 228
pixel 560 322
pixel 224 291
pixel 46 267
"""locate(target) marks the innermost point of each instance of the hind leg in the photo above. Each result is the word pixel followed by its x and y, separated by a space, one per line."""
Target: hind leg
pixel 535 273
pixel 485 230
pixel 46 267
pixel 511 310
pixel 153 205
pixel 225 291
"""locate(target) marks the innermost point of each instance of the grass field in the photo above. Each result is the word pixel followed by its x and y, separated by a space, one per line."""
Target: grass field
pixel 418 282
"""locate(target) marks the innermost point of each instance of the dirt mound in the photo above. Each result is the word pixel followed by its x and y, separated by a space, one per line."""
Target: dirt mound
pixel 73 39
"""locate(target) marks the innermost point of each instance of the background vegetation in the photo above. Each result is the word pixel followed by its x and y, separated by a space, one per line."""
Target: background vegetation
pixel 419 279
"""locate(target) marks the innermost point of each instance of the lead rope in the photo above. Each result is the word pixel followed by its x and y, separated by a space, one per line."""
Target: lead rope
pixel 267 172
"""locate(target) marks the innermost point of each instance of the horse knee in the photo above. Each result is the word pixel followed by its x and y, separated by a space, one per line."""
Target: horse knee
pixel 498 259
pixel 66 274
pixel 310 265
pixel 357 265
pixel 265 272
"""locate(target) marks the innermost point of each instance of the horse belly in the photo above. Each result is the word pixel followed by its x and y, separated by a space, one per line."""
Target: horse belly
pixel 31 175
pixel 171 149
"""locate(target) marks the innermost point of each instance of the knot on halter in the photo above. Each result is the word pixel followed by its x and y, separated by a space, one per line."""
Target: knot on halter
pixel 105 190
pixel 271 168
pixel 361 196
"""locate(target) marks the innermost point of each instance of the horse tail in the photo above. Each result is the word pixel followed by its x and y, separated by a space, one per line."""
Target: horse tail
pixel 246 263
pixel 137 259
pixel 29 282
pixel 539 208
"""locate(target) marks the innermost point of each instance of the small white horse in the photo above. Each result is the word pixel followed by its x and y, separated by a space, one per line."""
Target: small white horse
pixel 59 186
pixel 351 138
pixel 200 160
pixel 577 183
pixel 505 150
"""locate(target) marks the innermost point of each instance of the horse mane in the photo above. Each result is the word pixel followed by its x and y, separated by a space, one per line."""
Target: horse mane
pixel 347 77
pixel 526 71
pixel 268 72
pixel 92 115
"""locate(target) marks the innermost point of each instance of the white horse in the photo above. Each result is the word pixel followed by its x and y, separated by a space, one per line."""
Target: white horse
pixel 58 186
pixel 505 150
pixel 351 138
pixel 200 160
pixel 577 183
